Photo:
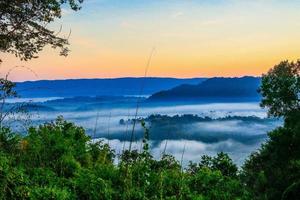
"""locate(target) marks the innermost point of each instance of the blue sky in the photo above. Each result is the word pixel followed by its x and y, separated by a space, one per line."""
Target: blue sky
pixel 113 38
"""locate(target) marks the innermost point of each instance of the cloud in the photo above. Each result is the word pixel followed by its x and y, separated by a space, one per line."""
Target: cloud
pixel 231 127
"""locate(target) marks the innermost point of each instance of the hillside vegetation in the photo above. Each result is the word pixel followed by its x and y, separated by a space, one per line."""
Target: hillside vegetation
pixel 58 160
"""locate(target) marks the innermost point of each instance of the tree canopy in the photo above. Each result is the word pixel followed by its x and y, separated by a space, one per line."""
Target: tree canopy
pixel 274 171
pixel 23 26
pixel 280 89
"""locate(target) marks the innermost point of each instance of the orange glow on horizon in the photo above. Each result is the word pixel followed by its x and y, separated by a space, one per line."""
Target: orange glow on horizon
pixel 191 39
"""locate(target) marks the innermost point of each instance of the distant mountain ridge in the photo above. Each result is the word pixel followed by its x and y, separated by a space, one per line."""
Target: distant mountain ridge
pixel 211 89
pixel 99 87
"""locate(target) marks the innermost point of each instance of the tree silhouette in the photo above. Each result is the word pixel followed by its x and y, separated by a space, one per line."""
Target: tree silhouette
pixel 23 26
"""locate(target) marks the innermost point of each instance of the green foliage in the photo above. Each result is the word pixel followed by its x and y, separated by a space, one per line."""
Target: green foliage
pixel 50 193
pixel 59 145
pixel 274 171
pixel 88 185
pixel 23 26
pixel 222 162
pixel 214 185
pixel 269 172
pixel 9 142
pixel 13 181
pixel 280 89
pixel 59 161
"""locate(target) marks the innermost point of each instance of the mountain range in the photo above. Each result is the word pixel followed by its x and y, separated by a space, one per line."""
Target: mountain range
pixel 99 87
pixel 219 88
pixel 158 89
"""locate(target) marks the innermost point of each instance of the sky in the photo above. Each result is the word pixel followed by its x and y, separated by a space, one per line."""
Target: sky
pixel 192 38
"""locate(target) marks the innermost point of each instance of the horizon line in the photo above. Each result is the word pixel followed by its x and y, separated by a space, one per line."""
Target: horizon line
pixel 136 77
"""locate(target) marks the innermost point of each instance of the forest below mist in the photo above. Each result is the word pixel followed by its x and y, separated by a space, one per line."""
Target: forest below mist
pixel 186 139
pixel 59 159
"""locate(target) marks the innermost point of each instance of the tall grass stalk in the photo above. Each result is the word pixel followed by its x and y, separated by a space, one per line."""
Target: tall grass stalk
pixel 96 125
pixel 126 130
pixel 166 143
pixel 108 128
pixel 138 100
pixel 182 155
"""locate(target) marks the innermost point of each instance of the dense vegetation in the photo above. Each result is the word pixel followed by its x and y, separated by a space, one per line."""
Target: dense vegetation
pixel 59 161
pixel 274 171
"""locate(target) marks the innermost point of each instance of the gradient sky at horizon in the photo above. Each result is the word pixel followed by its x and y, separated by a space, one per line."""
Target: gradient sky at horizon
pixel 193 38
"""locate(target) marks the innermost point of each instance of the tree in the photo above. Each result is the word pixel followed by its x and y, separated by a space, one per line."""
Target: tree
pixel 222 162
pixel 274 171
pixel 24 33
pixel 280 89
pixel 23 26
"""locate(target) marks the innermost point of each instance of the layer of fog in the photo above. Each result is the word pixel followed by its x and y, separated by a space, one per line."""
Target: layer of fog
pixel 105 122
pixel 237 138
pixel 189 150
pixel 31 100
pixel 112 114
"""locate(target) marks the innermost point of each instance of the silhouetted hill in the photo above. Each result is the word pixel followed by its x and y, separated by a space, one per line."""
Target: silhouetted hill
pixel 213 89
pixel 99 87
